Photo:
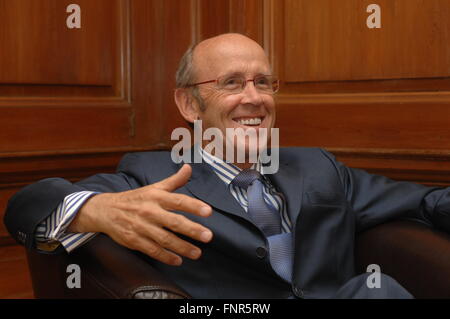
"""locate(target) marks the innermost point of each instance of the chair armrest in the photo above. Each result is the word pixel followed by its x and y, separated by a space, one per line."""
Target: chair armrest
pixel 414 254
pixel 107 269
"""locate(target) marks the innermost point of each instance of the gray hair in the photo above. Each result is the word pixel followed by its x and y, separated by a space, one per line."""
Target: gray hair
pixel 186 75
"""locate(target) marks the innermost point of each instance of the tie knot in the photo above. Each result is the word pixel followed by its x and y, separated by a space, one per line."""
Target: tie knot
pixel 246 177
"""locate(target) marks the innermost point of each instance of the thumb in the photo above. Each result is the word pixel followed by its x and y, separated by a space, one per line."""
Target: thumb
pixel 175 181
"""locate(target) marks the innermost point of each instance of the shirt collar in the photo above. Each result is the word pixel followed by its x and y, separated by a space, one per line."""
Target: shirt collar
pixel 226 171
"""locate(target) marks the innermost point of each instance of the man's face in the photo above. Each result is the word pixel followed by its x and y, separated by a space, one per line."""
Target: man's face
pixel 247 109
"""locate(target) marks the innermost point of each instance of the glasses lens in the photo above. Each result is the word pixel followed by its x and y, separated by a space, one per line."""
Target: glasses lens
pixel 231 83
pixel 266 83
pixel 263 83
pixel 235 84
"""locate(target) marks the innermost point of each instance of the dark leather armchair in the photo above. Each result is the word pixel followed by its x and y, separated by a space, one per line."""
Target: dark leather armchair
pixel 417 256
pixel 108 271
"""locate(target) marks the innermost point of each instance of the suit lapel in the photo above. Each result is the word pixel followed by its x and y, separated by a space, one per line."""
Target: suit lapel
pixel 289 181
pixel 208 187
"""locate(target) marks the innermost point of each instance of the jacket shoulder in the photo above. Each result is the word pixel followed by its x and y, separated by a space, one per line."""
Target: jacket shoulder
pixel 153 165
pixel 305 153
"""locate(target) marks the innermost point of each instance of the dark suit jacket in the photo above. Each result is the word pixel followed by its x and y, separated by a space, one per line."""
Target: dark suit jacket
pixel 327 202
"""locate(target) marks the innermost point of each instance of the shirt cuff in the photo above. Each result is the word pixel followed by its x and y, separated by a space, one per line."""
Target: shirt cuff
pixel 52 231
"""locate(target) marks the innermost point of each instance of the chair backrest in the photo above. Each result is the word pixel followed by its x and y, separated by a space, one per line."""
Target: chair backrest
pixel 416 255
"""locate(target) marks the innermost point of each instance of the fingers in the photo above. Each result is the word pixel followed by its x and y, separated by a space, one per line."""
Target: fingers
pixel 175 181
pixel 184 203
pixel 162 229
pixel 152 249
pixel 172 243
pixel 173 201
pixel 182 225
pixel 160 243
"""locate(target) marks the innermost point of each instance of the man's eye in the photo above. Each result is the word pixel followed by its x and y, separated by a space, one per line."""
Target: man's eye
pixel 262 82
pixel 231 83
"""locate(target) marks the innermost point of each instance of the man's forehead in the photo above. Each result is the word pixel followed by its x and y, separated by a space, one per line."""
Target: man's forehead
pixel 227 40
pixel 229 53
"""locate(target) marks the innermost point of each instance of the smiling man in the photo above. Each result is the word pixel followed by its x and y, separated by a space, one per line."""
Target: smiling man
pixel 232 73
pixel 232 230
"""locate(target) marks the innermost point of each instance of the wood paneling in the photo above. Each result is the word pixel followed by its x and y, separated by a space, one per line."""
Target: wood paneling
pixel 328 40
pixel 6 191
pixel 57 128
pixel 38 48
pixel 85 56
pixel 247 17
pixel 378 98
pixel 15 281
pixel 421 166
pixel 380 125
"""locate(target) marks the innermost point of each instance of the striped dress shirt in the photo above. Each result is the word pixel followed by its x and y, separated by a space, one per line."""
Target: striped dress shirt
pixel 53 230
pixel 227 172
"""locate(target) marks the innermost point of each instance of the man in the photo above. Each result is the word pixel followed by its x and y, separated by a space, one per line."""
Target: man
pixel 203 218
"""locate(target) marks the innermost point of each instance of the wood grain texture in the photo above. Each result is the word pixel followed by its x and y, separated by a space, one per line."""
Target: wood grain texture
pixel 34 33
pixel 328 40
pixel 371 96
pixel 15 280
pixel 57 128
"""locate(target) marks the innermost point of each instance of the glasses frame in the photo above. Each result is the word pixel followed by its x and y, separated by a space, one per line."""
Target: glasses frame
pixel 244 84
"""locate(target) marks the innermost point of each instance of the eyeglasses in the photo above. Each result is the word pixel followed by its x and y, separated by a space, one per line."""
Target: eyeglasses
pixel 235 84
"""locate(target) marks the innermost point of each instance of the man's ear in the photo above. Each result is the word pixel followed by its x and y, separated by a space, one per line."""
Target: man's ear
pixel 186 104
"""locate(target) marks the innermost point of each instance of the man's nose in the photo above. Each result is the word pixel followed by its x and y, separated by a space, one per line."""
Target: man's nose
pixel 251 94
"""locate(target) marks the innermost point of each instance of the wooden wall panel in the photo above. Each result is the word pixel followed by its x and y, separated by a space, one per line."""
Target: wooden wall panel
pixel 15 281
pixel 371 96
pixel 247 17
pixel 38 48
pixel 57 128
pixel 85 55
pixel 382 125
pixel 328 40
pixel 6 191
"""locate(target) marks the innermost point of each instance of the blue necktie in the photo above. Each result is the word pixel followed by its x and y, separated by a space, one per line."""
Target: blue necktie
pixel 268 219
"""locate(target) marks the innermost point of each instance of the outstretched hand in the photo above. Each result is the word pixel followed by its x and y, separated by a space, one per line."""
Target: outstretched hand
pixel 142 220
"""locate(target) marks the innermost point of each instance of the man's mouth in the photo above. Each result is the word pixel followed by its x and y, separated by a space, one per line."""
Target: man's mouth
pixel 249 121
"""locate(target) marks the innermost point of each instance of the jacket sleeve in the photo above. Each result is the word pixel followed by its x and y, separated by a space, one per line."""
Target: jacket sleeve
pixel 34 203
pixel 375 199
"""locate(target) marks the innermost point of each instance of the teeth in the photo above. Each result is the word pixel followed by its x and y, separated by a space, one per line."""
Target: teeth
pixel 253 121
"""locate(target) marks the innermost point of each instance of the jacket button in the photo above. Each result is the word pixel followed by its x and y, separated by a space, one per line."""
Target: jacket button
pixel 298 292
pixel 261 252
pixel 21 237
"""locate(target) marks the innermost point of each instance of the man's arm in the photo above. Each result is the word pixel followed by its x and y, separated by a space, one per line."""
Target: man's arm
pixel 376 199
pixel 137 217
pixel 53 230
pixel 141 219
pixel 32 205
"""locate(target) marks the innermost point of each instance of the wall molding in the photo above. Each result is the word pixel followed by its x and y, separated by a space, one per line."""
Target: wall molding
pixel 429 167
pixel 364 98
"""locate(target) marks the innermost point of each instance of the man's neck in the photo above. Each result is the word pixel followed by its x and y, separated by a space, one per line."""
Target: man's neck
pixel 243 165
pixel 246 165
